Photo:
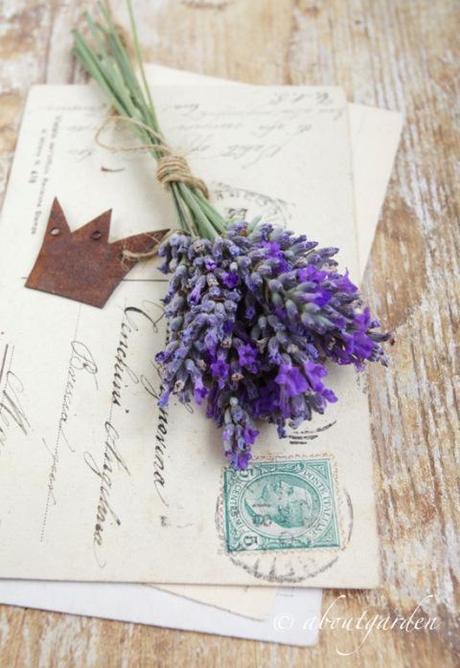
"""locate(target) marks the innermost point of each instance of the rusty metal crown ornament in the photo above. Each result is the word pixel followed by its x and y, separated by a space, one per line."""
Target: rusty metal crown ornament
pixel 83 265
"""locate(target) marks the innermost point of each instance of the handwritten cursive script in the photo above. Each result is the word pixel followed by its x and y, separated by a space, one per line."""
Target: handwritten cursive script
pixel 81 361
pixel 159 479
pixel 132 318
pixel 12 413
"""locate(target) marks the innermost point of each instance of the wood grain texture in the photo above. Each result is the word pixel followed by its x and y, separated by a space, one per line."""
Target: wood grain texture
pixel 399 54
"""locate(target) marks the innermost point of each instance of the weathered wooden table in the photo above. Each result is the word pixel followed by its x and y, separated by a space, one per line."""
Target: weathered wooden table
pixel 399 54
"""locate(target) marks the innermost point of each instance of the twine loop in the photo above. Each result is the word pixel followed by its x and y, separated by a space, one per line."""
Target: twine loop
pixel 171 167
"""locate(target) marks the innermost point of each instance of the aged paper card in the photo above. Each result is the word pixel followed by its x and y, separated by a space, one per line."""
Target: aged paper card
pixel 146 605
pixel 84 431
pixel 374 136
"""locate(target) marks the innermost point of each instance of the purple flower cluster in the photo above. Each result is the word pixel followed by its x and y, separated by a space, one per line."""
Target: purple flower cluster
pixel 253 316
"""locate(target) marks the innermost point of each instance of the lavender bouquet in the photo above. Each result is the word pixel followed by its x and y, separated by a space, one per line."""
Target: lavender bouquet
pixel 255 312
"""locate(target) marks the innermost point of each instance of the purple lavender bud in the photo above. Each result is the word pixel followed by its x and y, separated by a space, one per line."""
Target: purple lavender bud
pixel 291 380
pixel 247 355
pixel 239 434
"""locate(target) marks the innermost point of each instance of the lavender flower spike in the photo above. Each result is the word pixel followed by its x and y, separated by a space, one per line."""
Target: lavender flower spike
pixel 254 317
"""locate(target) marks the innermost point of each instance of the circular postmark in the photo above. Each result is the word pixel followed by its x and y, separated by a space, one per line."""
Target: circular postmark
pixel 244 204
pixel 281 519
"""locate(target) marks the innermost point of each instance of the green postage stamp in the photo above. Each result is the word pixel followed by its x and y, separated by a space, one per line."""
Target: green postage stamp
pixel 281 505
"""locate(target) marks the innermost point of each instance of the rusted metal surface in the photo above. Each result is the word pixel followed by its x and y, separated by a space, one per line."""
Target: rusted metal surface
pixel 83 265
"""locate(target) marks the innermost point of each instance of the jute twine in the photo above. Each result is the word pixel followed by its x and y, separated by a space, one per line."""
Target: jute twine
pixel 171 166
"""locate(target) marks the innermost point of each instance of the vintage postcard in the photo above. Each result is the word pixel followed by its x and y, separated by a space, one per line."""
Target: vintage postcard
pixel 105 474
pixel 374 137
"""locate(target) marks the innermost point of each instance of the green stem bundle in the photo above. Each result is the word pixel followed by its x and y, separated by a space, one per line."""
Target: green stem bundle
pixel 105 57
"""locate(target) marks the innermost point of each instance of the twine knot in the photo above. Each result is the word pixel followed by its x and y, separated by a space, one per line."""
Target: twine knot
pixel 175 168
